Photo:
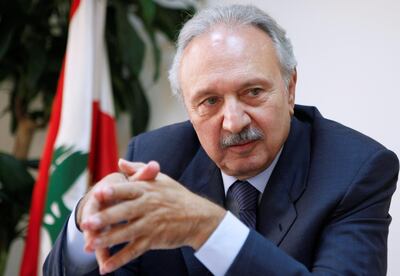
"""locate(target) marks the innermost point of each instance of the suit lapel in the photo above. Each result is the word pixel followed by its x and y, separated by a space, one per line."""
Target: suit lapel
pixel 202 177
pixel 277 211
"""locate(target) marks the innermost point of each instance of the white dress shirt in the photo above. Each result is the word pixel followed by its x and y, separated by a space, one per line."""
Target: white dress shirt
pixel 217 253
pixel 222 247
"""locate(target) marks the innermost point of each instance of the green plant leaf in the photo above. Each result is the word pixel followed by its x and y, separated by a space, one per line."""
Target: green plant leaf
pixel 15 196
pixel 140 109
pixel 169 21
pixel 5 41
pixel 4 73
pixel 14 176
pixel 148 11
pixel 10 20
pixel 156 53
pixel 36 66
pixel 13 119
pixel 131 46
pixel 32 163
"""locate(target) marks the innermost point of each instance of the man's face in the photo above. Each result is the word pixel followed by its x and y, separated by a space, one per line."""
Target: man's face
pixel 232 84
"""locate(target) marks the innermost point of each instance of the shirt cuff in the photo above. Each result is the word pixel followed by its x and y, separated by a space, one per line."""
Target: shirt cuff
pixel 76 260
pixel 224 244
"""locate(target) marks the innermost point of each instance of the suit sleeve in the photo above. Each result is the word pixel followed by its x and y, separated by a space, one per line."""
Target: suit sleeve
pixel 353 240
pixel 55 264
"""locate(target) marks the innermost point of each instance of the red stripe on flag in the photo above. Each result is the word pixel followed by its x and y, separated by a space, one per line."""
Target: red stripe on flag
pixel 103 149
pixel 74 7
pixel 29 263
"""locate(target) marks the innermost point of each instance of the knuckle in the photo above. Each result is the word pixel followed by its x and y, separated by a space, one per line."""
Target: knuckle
pixel 154 199
pixel 133 193
pixel 127 210
pixel 112 177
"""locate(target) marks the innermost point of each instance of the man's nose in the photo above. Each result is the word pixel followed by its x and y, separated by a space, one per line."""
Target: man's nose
pixel 235 117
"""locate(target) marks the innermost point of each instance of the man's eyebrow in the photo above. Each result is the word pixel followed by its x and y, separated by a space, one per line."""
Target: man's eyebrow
pixel 255 81
pixel 203 93
pixel 209 91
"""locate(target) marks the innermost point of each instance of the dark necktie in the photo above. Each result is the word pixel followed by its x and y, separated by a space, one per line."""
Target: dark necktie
pixel 242 199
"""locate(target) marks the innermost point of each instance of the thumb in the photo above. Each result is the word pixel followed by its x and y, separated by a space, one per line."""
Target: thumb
pixel 129 168
pixel 148 172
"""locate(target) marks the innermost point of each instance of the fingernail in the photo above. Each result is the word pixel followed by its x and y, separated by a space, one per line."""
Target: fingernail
pixel 153 163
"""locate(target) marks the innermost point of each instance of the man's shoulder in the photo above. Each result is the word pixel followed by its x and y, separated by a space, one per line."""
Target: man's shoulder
pixel 340 151
pixel 346 168
pixel 174 131
pixel 173 146
pixel 334 135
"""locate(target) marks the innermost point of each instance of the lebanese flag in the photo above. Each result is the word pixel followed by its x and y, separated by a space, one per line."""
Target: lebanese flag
pixel 81 143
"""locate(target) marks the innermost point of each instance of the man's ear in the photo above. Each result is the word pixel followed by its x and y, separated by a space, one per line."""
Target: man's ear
pixel 292 91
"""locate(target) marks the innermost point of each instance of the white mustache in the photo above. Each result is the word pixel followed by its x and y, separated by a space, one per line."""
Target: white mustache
pixel 245 136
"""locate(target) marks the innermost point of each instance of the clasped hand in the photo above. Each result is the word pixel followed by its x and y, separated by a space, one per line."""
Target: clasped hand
pixel 146 210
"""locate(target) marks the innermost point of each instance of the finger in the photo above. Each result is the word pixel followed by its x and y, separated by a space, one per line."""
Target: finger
pixel 131 251
pixel 122 211
pixel 89 236
pixel 148 172
pixel 122 233
pixel 116 192
pixel 139 171
pixel 93 200
pixel 102 255
pixel 103 194
pixel 91 207
pixel 129 168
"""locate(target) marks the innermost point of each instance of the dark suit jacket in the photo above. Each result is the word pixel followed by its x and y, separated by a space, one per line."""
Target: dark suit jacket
pixel 324 210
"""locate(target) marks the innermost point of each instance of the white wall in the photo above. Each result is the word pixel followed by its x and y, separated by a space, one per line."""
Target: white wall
pixel 349 67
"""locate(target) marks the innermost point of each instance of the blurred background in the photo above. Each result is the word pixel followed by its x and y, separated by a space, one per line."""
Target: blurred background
pixel 348 66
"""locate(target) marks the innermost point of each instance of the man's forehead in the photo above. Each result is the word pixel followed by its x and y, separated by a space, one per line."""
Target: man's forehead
pixel 244 52
pixel 227 36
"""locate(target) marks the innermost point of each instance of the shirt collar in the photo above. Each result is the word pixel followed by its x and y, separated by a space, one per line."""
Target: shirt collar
pixel 259 181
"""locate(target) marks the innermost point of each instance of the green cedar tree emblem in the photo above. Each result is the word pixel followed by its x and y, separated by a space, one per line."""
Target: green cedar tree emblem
pixel 66 167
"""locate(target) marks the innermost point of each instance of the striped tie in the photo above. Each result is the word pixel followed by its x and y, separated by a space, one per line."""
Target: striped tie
pixel 242 200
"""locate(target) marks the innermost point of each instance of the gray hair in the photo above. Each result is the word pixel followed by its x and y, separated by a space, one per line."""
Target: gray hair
pixel 233 15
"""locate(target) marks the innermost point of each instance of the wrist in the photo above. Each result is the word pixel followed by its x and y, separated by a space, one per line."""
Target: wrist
pixel 207 222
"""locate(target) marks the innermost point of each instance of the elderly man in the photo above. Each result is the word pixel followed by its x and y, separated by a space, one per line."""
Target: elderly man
pixel 252 185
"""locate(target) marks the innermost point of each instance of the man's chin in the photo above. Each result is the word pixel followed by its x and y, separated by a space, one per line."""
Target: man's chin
pixel 244 169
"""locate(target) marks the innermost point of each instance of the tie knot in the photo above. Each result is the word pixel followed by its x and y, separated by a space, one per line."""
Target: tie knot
pixel 242 200
pixel 245 194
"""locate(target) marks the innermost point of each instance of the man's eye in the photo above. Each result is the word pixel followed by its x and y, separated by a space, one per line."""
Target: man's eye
pixel 208 106
pixel 211 101
pixel 255 91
